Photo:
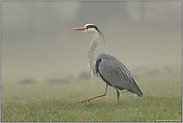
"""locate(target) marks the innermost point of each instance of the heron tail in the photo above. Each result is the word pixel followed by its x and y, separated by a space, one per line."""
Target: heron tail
pixel 135 89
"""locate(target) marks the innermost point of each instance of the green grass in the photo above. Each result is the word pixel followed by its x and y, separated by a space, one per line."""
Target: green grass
pixel 57 102
pixel 133 109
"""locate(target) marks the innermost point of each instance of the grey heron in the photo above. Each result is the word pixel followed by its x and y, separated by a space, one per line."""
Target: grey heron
pixel 107 67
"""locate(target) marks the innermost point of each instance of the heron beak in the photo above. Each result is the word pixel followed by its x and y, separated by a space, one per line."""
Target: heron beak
pixel 80 28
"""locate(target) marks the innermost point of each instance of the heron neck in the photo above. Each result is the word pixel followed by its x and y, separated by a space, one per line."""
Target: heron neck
pixel 93 45
pixel 92 50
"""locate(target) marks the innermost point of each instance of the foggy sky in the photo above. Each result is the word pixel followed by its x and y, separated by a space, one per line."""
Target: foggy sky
pixel 37 40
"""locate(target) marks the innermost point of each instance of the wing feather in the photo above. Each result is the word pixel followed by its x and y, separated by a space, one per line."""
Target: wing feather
pixel 115 73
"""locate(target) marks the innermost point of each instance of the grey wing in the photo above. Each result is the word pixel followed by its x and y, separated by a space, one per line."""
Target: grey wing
pixel 115 74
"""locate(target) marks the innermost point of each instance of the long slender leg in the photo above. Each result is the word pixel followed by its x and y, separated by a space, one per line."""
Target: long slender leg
pixel 117 95
pixel 88 100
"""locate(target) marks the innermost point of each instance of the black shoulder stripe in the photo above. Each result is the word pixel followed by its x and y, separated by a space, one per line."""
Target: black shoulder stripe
pixel 98 72
pixel 97 65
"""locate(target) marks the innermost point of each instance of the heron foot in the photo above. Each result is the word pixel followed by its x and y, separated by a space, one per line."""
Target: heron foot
pixel 85 101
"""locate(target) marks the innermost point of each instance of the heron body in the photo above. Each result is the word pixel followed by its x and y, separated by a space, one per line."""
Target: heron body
pixel 107 67
pixel 115 74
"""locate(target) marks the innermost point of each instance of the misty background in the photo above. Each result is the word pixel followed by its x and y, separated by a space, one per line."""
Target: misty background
pixel 38 43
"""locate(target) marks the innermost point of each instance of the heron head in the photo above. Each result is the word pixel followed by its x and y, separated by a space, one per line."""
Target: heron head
pixel 90 28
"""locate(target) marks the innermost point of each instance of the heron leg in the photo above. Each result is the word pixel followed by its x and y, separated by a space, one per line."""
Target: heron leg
pixel 117 95
pixel 88 100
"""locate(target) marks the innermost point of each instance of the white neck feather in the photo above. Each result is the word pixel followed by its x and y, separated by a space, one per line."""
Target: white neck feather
pixel 92 50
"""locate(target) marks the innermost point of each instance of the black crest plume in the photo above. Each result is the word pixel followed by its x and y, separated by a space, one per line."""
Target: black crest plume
pixel 101 35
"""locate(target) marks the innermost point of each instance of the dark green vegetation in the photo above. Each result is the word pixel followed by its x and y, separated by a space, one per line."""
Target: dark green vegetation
pixel 54 101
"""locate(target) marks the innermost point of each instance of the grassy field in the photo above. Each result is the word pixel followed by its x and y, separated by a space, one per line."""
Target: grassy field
pixel 57 102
